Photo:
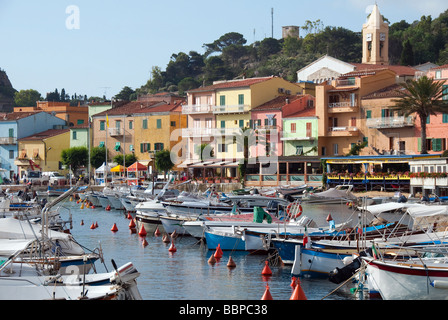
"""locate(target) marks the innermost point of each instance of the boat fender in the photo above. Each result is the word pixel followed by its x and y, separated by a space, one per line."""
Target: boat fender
pixel 440 284
pixel 347 260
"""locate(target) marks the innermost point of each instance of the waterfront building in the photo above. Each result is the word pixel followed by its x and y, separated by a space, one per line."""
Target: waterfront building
pixel 73 115
pixel 138 127
pixel 42 151
pixel 79 136
pixel 300 134
pixel 429 176
pixel 17 125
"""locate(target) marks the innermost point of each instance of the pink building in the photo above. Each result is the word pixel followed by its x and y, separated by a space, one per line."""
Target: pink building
pixel 267 120
pixel 437 126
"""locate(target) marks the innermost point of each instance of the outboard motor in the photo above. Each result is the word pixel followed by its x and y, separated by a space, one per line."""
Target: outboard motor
pixel 340 275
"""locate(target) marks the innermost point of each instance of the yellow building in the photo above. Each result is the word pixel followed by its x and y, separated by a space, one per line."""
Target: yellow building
pixel 138 127
pixel 228 105
pixel 43 150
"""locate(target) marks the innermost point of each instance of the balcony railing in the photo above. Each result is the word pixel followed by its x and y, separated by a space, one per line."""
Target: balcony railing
pixel 195 109
pixel 390 122
pixel 231 109
pixel 116 132
pixel 8 140
pixel 198 132
pixel 345 82
pixel 343 131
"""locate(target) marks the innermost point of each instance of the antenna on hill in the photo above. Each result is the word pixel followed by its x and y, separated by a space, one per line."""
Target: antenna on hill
pixel 272 22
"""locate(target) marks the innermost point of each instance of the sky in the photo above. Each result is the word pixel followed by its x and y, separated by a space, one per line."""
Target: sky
pixel 98 47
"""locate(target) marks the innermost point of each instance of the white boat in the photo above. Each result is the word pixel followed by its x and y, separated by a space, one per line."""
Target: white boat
pixel 175 224
pixel 414 279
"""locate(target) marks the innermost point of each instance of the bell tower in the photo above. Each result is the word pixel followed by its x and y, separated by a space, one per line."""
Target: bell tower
pixel 375 39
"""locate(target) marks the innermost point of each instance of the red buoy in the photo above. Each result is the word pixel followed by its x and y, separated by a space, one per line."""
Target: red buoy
pixel 108 208
pixel 218 252
pixel 157 232
pixel 298 293
pixel 114 228
pixel 293 282
pixel 266 270
pixel 142 232
pixel 92 226
pixel 129 216
pixel 267 294
pixel 172 247
pixel 132 224
pixel 96 224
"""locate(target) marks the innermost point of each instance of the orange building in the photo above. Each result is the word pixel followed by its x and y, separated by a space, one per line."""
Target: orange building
pixel 74 115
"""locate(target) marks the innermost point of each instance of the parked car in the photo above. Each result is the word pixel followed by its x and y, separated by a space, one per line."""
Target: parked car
pixel 54 177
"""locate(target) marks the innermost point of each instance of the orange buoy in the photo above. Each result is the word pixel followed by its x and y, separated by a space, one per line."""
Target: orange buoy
pixel 212 260
pixel 108 208
pixel 218 252
pixel 92 226
pixel 267 294
pixel 266 270
pixel 142 232
pixel 82 222
pixel 293 282
pixel 132 224
pixel 298 293
pixel 157 232
pixel 172 247
pixel 96 224
pixel 144 242
pixel 92 207
pixel 165 238
pixel 231 263
pixel 329 217
pixel 114 228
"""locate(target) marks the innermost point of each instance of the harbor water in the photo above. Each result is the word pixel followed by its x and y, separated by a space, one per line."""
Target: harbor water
pixel 186 273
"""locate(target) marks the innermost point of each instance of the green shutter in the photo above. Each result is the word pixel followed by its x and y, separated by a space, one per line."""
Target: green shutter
pixel 222 100
pixel 368 114
pixel 241 99
pixel 445 118
pixel 102 125
pixel 419 144
pixel 241 123
pixel 437 144
pixel 223 123
pixel 159 123
pixel 11 133
pixel 428 119
pixel 145 124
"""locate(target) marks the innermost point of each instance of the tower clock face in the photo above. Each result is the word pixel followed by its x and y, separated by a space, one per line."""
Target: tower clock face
pixel 382 37
pixel 369 37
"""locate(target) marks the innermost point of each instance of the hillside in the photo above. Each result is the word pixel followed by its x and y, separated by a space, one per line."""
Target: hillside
pixel 230 57
pixel 6 93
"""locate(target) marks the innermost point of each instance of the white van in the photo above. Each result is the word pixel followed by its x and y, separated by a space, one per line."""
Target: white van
pixel 53 177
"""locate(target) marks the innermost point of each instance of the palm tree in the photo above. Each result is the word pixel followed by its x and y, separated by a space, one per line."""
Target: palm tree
pixel 163 161
pixel 423 97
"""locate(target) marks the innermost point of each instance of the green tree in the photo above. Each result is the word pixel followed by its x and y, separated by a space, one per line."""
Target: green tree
pixel 128 159
pixel 407 55
pixel 75 157
pixel 231 38
pixel 97 156
pixel 424 98
pixel 204 151
pixel 26 98
pixel 125 94
pixel 187 84
pixel 162 160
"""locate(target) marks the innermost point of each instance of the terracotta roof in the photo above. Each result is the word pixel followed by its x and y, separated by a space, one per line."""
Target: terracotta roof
pixel 276 103
pixel 307 112
pixel 445 66
pixel 392 91
pixel 142 107
pixel 231 84
pixel 46 134
pixel 399 70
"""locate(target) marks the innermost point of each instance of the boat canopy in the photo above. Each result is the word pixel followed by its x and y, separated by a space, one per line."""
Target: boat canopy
pixel 385 207
pixel 427 211
pixel 9 247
